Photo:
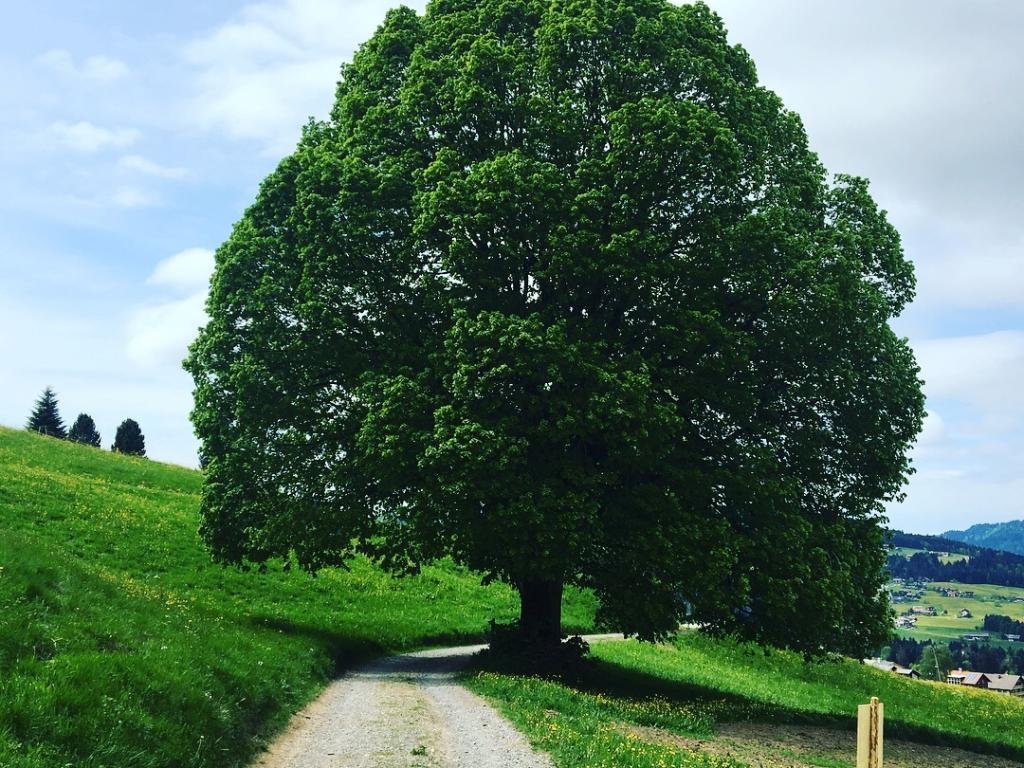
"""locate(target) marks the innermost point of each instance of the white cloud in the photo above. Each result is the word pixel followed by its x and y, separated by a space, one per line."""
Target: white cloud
pixel 146 167
pixel 933 434
pixel 262 74
pixel 132 197
pixel 943 500
pixel 993 277
pixel 97 69
pixel 88 138
pixel 968 459
pixel 188 270
pixel 159 334
pixel 983 372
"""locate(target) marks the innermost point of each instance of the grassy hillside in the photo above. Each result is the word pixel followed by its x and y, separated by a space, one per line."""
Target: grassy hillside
pixel 123 646
pixel 944 557
pixel 924 543
pixel 688 703
pixel 1008 536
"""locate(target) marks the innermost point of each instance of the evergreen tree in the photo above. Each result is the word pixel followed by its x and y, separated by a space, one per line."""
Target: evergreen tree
pixel 45 418
pixel 84 431
pixel 129 439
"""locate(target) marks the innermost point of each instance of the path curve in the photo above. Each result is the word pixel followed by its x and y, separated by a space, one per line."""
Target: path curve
pixel 405 711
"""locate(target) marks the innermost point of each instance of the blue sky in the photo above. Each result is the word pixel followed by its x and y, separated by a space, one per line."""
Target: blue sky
pixel 133 135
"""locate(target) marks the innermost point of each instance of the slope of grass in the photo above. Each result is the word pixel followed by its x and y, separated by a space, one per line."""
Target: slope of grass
pixel 686 689
pixel 944 557
pixel 123 646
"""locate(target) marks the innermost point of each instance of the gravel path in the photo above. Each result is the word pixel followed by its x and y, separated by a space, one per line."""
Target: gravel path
pixel 404 711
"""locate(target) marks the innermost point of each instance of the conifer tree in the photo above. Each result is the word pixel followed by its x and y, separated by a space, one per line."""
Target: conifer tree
pixel 45 418
pixel 84 431
pixel 129 439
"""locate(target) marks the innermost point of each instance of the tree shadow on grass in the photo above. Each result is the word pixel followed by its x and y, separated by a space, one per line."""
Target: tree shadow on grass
pixel 348 651
pixel 599 677
pixel 344 650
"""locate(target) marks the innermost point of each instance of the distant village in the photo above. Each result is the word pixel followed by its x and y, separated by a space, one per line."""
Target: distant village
pixel 909 597
pixel 997 682
pixel 913 592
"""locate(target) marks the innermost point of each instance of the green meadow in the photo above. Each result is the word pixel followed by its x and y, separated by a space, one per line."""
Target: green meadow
pixel 650 706
pixel 123 646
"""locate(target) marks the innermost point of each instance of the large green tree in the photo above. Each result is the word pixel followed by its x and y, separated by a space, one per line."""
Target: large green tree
pixel 46 418
pixel 560 291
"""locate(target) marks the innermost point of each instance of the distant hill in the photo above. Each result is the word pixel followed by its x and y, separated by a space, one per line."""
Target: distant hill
pixel 981 566
pixel 932 543
pixel 1008 537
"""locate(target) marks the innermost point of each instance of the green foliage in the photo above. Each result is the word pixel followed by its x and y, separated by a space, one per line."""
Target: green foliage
pixel 123 646
pixel 560 291
pixel 129 439
pixel 692 686
pixel 935 662
pixel 84 431
pixel 45 418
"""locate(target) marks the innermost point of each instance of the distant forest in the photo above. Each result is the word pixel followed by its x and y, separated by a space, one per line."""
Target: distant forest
pixel 983 566
pixel 1007 536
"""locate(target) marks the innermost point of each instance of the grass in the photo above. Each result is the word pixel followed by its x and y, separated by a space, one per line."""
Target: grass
pixel 689 688
pixel 123 646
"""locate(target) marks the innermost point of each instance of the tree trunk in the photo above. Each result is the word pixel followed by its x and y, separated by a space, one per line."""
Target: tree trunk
pixel 540 615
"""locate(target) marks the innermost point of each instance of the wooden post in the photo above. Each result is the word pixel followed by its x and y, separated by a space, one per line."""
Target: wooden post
pixel 870 721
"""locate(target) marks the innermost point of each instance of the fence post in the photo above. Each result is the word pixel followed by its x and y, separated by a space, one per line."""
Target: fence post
pixel 870 722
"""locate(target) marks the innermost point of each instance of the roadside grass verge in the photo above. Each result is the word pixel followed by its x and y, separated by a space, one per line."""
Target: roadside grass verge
pixel 123 646
pixel 690 687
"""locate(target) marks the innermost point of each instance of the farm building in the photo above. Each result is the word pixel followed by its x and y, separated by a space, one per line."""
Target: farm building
pixel 889 666
pixel 966 614
pixel 977 636
pixel 962 677
pixel 1009 684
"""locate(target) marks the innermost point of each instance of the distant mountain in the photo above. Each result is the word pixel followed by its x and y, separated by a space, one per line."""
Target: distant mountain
pixel 1008 537
pixel 981 566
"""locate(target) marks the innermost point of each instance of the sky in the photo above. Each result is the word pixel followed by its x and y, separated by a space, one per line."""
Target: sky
pixel 133 135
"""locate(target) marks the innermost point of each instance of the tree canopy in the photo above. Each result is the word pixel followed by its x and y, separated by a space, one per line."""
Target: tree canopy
pixel 129 439
pixel 560 291
pixel 45 417
pixel 84 431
